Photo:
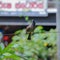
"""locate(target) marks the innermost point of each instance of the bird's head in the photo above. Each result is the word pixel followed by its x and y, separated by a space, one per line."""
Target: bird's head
pixel 33 22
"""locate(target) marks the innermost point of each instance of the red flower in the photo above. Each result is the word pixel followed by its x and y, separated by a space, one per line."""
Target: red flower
pixel 5 38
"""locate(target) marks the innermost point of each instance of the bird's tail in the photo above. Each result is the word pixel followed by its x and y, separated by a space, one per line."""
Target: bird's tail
pixel 29 36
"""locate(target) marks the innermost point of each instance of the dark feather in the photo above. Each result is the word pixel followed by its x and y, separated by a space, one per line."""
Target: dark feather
pixel 29 36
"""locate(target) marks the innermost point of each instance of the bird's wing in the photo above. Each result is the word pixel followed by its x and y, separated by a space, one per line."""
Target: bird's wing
pixel 28 29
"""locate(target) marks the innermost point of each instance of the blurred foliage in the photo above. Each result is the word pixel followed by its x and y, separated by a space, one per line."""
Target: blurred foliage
pixel 41 46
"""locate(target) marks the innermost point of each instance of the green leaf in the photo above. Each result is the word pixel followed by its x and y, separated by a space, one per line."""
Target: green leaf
pixel 17 32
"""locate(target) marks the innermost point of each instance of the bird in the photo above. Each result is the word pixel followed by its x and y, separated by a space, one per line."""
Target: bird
pixel 30 29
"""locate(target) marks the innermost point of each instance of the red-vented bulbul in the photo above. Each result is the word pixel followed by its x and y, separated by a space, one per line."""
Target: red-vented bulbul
pixel 30 28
